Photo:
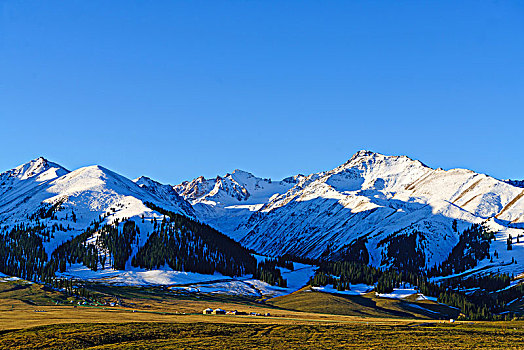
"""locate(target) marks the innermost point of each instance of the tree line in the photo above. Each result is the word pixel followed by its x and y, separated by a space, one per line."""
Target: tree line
pixel 187 245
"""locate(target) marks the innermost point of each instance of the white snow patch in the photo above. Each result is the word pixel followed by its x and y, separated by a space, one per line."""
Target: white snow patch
pixel 424 297
pixel 139 277
pixel 356 289
pixel 398 293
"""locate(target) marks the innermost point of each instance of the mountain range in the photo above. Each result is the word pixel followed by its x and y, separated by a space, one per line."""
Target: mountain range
pixel 374 208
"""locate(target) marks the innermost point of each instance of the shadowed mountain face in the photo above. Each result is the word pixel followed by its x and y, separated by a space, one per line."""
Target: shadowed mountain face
pixel 373 199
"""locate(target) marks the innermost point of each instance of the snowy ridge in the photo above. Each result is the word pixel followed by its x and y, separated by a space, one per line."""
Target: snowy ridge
pixel 23 179
pixel 372 197
pixel 226 201
pixel 237 188
pixel 166 193
pixel 89 192
pixel 516 183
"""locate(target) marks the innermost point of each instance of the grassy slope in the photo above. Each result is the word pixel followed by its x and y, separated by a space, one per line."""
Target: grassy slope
pixel 368 305
pixel 29 293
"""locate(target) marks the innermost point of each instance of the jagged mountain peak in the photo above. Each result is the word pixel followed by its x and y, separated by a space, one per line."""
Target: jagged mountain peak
pixel 25 177
pixel 371 170
pixel 363 153
pixel 166 193
pixel 240 172
pixel 366 155
pixel 237 188
pixel 370 157
pixel 34 169
pixel 153 185
pixel 145 180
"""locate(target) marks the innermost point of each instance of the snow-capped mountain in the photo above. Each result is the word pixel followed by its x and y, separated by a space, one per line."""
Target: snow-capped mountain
pixel 54 221
pixel 369 206
pixel 224 202
pixel 88 192
pixel 372 198
pixel 22 181
pixel 166 193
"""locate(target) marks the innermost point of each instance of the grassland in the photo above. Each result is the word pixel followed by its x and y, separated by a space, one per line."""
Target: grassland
pixel 263 336
pixel 35 317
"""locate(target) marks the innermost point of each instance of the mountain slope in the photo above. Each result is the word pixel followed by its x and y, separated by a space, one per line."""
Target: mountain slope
pixel 377 209
pixel 51 218
pixel 166 193
pixel 225 202
pixel 516 183
pixel 21 184
pixel 372 205
pixel 89 192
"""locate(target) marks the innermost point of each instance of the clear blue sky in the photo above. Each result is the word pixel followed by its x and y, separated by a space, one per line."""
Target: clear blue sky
pixel 178 89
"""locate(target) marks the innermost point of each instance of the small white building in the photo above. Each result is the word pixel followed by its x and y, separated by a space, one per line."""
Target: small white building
pixel 207 311
pixel 219 312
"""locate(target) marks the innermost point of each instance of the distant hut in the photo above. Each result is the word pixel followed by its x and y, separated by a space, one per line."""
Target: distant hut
pixel 207 311
pixel 219 312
